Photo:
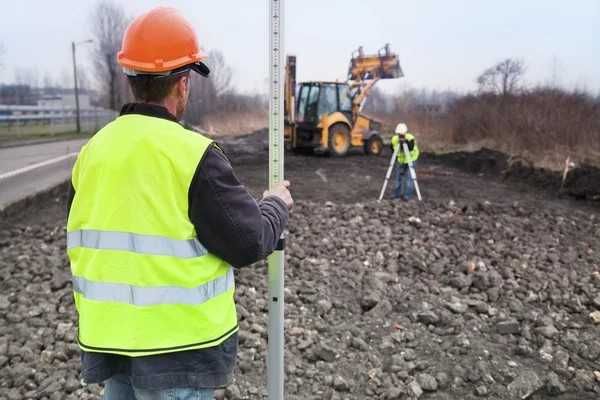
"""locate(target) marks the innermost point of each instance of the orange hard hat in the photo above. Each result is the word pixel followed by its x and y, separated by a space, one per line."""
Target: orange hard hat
pixel 161 42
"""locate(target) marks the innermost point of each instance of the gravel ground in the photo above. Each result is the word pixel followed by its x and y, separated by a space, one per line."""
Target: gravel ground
pixel 494 294
pixel 444 301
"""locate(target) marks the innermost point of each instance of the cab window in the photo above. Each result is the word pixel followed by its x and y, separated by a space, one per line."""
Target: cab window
pixel 312 103
pixel 302 99
pixel 345 99
pixel 328 100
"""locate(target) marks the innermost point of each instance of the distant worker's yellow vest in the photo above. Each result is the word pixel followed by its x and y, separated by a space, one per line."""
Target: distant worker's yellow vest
pixel 414 153
pixel 143 283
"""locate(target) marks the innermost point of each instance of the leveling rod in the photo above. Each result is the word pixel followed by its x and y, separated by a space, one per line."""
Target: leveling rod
pixel 275 352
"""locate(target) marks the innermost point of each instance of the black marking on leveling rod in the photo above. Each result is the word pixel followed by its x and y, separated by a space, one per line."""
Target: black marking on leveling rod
pixel 275 299
pixel 280 244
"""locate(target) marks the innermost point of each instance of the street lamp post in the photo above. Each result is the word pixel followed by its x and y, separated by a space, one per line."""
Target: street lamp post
pixel 77 120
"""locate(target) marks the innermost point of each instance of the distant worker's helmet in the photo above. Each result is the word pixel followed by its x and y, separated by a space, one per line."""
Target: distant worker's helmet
pixel 401 128
pixel 161 42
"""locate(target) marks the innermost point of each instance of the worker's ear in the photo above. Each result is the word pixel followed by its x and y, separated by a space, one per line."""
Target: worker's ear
pixel 183 86
pixel 182 91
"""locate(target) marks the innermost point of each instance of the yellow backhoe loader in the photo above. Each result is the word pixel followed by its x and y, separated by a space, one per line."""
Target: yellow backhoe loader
pixel 327 117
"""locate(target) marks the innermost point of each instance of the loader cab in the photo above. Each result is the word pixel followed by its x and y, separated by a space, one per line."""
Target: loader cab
pixel 316 99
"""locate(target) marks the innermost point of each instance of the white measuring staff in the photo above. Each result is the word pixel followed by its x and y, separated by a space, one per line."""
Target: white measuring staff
pixel 275 352
pixel 31 167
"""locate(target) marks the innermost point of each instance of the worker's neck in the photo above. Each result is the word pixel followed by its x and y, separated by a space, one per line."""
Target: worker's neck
pixel 170 104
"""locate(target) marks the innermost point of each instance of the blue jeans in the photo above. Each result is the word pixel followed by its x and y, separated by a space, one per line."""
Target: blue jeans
pixel 404 184
pixel 119 388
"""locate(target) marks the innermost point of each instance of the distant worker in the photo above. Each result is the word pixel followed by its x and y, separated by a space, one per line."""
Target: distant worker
pixel 404 184
pixel 157 219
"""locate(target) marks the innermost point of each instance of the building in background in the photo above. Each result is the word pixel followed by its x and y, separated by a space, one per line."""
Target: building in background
pixel 21 95
pixel 53 97
pixel 63 98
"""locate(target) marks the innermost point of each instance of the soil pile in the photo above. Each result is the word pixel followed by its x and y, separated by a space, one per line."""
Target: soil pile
pixel 582 183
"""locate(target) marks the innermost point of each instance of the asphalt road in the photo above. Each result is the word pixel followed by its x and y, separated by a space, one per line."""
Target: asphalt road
pixel 26 170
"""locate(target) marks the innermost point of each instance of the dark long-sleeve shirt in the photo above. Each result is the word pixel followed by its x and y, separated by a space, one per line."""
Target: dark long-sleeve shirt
pixel 236 228
pixel 240 230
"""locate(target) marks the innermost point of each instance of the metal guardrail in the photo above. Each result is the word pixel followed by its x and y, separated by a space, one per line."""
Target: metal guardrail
pixel 23 120
pixel 24 113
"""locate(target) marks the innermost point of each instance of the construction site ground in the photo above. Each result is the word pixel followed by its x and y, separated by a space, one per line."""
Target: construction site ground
pixel 489 288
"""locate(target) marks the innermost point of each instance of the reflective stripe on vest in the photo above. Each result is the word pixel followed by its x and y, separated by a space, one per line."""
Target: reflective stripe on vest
pixel 146 296
pixel 136 243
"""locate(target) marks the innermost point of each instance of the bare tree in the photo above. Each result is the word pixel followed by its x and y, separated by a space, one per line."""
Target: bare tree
pixel 202 100
pixel 503 78
pixel 216 97
pixel 25 80
pixel 27 77
pixel 83 79
pixel 47 81
pixel 207 95
pixel 220 72
pixel 108 24
pixel 66 79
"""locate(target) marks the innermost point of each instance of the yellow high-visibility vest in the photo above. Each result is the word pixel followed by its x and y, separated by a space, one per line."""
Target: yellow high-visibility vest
pixel 414 153
pixel 143 283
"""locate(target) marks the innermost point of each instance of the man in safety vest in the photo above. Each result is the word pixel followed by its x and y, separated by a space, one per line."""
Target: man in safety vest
pixel 157 220
pixel 404 184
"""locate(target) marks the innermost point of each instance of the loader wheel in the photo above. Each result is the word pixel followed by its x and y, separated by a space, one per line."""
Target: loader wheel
pixel 339 140
pixel 374 146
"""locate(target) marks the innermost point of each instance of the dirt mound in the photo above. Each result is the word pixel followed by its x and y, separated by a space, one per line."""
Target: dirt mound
pixel 245 147
pixel 54 198
pixel 582 183
pixel 484 161
pixel 386 301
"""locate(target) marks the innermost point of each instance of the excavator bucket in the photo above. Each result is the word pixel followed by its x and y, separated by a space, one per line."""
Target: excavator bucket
pixel 383 65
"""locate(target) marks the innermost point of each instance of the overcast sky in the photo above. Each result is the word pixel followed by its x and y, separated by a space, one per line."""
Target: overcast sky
pixel 442 44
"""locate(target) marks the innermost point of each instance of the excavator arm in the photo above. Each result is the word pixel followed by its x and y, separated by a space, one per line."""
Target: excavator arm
pixel 366 70
pixel 361 94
